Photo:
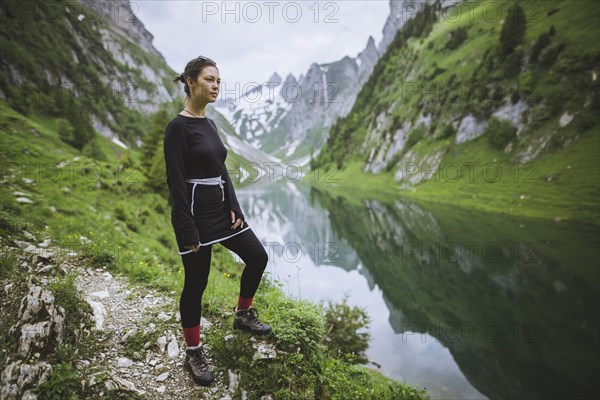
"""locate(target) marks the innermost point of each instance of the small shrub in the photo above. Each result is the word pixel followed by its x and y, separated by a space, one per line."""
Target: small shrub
pixel 10 224
pixel 8 263
pixel 539 115
pixel 511 65
pixel 457 37
pixel 513 29
pixel 414 137
pixel 63 383
pixel 586 120
pixel 132 226
pixel 126 160
pixel 100 258
pixel 558 141
pixel 120 213
pixel 549 56
pixel 65 131
pixel 447 132
pixel 541 43
pixel 342 338
pixel 393 161
pixel 77 310
pixel 165 241
pixel 436 72
pixel 159 207
pixel 92 150
pixel 83 130
pixel 526 83
pixel 301 326
pixel 500 132
pixel 135 343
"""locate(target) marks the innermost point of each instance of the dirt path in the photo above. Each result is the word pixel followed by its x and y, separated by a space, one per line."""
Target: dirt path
pixel 139 350
pixel 124 311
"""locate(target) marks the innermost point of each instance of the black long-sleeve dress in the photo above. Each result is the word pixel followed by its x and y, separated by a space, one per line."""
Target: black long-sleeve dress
pixel 194 150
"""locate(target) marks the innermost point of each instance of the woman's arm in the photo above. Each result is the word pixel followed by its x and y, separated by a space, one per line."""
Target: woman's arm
pixel 175 151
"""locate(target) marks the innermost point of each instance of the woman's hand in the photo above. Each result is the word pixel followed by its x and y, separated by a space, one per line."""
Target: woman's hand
pixel 238 223
pixel 194 247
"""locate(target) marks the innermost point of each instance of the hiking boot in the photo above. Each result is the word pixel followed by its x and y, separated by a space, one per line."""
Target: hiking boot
pixel 196 364
pixel 247 320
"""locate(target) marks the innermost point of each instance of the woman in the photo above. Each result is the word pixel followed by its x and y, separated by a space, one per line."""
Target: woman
pixel 205 211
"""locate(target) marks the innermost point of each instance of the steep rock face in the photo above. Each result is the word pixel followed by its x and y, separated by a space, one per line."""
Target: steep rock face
pixel 326 92
pixel 400 12
pixel 147 89
pixel 96 52
pixel 126 38
pixel 470 128
pixel 367 59
pixel 121 14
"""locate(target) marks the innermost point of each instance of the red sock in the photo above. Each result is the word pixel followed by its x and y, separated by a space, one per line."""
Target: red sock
pixel 244 303
pixel 192 336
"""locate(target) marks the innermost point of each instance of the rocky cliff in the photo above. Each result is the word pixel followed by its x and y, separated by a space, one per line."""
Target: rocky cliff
pixel 91 62
pixel 121 16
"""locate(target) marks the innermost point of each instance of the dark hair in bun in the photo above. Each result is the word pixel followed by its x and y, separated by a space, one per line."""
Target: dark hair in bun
pixel 179 78
pixel 192 70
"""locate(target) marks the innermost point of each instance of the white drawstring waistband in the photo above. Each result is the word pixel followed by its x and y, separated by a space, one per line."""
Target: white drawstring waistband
pixel 207 181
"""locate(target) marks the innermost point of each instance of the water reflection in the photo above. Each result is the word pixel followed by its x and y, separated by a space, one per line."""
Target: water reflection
pixel 467 305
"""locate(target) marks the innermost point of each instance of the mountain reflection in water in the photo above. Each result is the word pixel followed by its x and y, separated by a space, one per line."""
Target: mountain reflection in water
pixel 465 304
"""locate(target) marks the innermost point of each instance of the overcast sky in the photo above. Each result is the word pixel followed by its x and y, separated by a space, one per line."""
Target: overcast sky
pixel 250 40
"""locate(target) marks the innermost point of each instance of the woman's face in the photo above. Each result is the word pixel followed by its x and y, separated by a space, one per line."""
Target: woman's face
pixel 206 88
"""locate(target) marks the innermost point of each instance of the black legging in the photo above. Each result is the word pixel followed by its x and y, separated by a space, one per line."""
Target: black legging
pixel 197 267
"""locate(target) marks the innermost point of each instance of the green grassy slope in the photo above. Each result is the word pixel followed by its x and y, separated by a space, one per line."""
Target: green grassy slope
pixel 562 185
pixel 561 181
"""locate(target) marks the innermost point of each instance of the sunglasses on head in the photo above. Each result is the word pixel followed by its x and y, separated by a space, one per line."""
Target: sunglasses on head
pixel 202 59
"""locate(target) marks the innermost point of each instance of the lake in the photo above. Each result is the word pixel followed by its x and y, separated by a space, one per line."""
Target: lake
pixel 467 305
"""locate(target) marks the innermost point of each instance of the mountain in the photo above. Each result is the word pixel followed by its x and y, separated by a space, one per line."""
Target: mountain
pixel 453 98
pixel 246 162
pixel 121 15
pixel 260 108
pixel 291 119
pixel 91 62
